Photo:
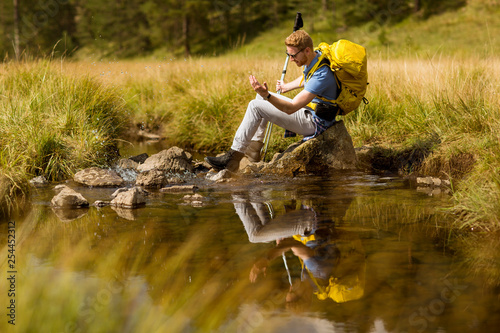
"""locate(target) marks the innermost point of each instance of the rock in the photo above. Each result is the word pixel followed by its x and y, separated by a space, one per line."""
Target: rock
pixel 59 188
pixel 39 181
pixel 220 176
pixel 174 160
pixel 98 177
pixel 252 168
pixel 100 203
pixel 201 166
pixel 332 150
pixel 424 180
pixel 152 179
pixel 118 191
pixel 433 182
pixel 127 163
pixel 132 198
pixel 179 188
pixel 68 198
pixel 141 158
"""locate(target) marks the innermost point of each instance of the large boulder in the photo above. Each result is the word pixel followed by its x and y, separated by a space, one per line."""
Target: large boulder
pixel 332 150
pixel 174 160
pixel 68 198
pixel 98 177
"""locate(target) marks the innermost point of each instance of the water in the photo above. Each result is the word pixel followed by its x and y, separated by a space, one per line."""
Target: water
pixel 383 260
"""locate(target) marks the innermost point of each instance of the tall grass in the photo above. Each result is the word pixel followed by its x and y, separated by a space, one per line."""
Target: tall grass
pixel 195 103
pixel 452 104
pixel 52 123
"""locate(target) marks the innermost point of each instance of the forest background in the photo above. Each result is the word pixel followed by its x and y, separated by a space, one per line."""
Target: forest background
pixel 132 28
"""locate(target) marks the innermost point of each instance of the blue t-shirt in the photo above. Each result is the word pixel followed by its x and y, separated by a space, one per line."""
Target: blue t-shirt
pixel 322 82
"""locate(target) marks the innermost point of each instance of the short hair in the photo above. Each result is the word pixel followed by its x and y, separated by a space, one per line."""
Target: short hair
pixel 299 39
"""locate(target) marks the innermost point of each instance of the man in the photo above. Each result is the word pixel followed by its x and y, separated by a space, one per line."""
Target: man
pixel 295 115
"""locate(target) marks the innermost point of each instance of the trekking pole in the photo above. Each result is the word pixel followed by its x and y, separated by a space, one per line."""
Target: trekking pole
pixel 287 270
pixel 267 136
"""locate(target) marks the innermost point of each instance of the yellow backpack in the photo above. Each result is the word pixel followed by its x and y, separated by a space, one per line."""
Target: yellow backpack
pixel 348 62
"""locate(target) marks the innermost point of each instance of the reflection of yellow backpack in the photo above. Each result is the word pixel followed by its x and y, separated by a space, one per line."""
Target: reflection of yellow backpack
pixel 348 63
pixel 343 289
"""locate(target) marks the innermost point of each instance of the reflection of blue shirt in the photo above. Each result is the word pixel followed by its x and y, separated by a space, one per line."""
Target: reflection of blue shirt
pixel 322 82
pixel 326 254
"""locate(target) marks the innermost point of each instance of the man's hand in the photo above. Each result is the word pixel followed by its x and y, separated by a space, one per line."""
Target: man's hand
pixel 260 89
pixel 280 87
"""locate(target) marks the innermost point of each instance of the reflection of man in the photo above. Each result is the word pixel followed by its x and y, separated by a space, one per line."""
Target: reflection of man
pixel 333 261
pixel 261 227
pixel 333 265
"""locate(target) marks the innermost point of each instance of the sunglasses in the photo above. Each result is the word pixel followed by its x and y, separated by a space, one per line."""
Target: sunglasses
pixel 293 55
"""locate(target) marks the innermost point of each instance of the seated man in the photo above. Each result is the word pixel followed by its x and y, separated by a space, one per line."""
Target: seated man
pixel 295 115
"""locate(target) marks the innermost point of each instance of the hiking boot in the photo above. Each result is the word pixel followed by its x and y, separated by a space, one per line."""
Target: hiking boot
pixel 253 151
pixel 230 161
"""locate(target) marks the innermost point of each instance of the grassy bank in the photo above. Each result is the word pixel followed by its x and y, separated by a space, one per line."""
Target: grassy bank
pixel 51 124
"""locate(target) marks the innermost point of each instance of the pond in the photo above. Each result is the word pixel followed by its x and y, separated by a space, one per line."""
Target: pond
pixel 351 252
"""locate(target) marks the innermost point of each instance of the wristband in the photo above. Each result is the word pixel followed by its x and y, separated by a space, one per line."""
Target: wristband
pixel 268 96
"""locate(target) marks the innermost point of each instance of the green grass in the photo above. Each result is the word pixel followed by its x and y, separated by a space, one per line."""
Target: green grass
pixel 52 124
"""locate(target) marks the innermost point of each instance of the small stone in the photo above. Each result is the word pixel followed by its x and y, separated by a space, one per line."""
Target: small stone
pixel 219 176
pixel 436 181
pixel 69 198
pixel 132 198
pixel 39 181
pixel 425 180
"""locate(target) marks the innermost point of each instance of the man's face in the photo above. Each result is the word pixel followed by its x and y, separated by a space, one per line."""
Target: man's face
pixel 297 55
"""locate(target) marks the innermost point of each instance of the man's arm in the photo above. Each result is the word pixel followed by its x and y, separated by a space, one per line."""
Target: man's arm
pixel 286 87
pixel 302 99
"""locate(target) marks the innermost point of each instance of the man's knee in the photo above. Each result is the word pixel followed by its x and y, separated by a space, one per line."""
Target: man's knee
pixel 255 104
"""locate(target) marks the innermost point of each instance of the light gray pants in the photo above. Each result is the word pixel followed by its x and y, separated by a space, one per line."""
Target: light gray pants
pixel 260 112
pixel 261 228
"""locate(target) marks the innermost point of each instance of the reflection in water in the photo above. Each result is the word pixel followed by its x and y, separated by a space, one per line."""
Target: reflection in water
pixel 361 254
pixel 68 214
pixel 332 261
